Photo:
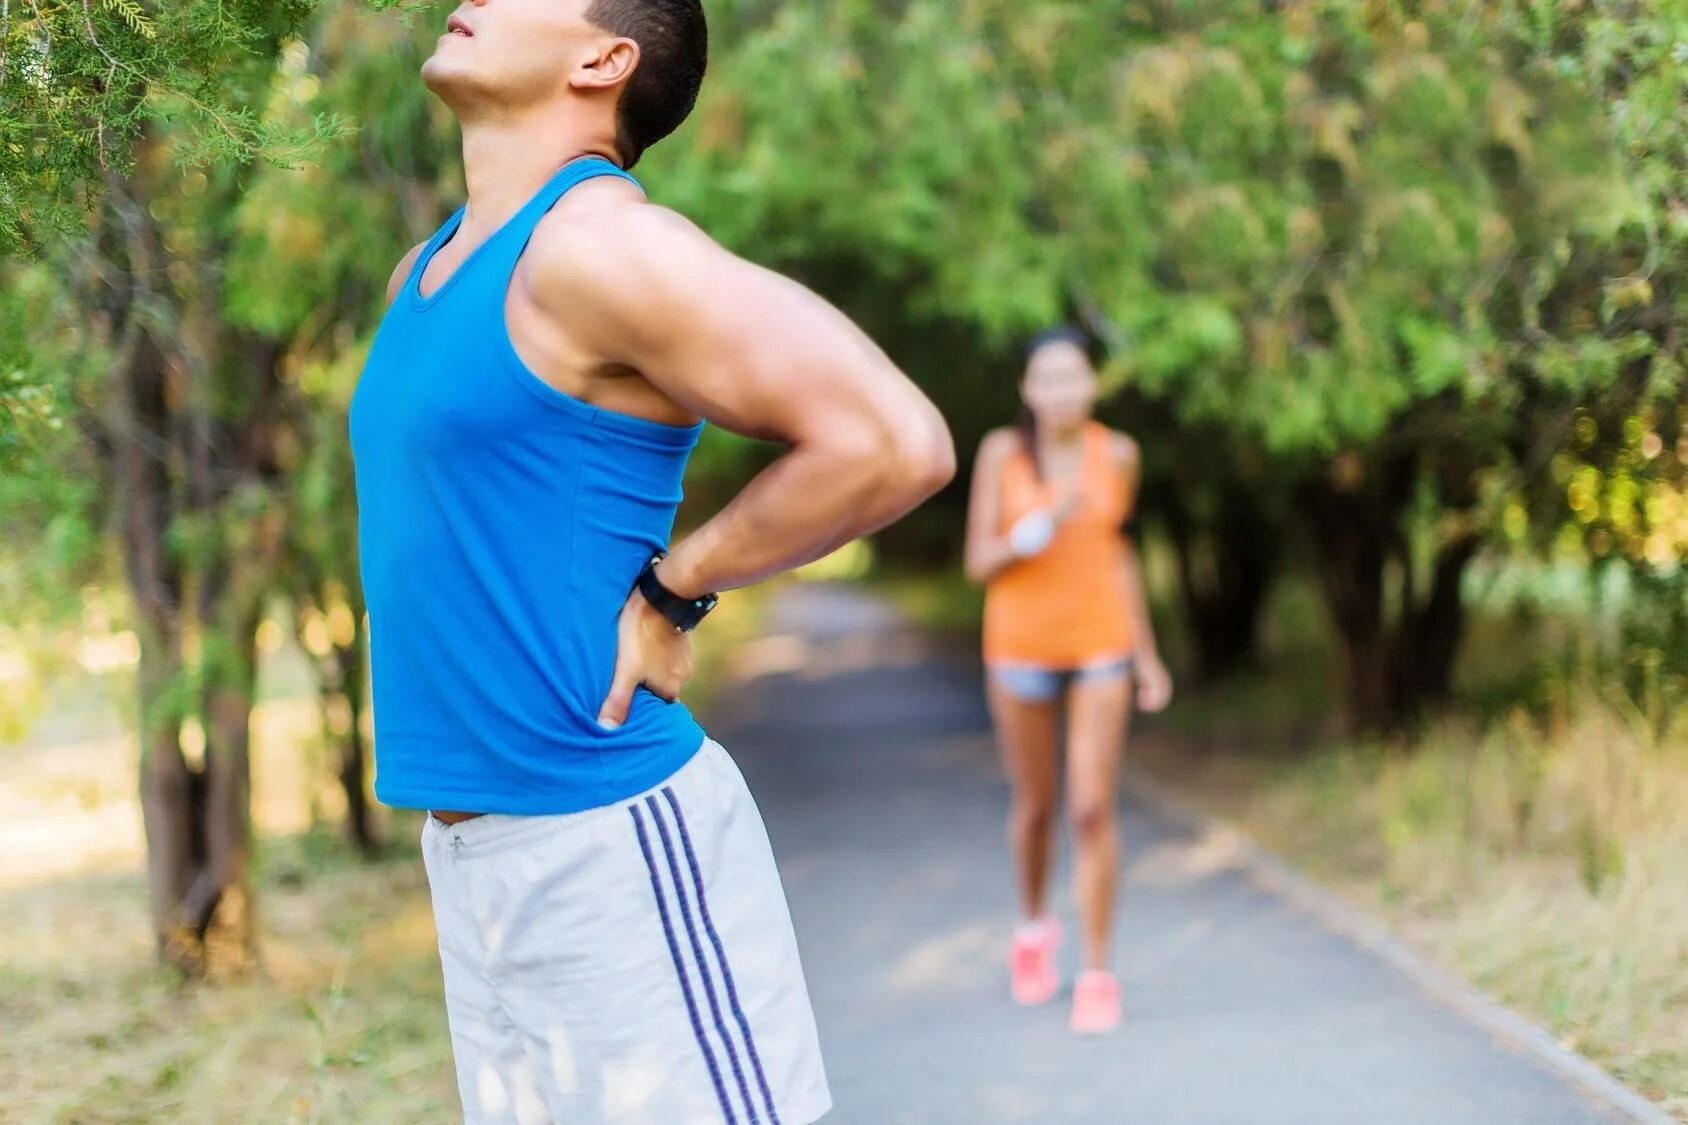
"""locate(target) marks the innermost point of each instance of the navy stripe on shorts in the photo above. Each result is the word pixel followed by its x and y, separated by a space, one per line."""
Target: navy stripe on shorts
pixel 721 954
pixel 680 967
pixel 697 954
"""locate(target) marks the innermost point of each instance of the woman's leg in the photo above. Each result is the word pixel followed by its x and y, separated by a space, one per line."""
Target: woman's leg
pixel 1098 709
pixel 1025 729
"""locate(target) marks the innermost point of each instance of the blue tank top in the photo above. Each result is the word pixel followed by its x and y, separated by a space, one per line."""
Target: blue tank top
pixel 502 524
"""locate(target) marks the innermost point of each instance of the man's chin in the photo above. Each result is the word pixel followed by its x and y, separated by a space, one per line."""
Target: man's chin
pixel 446 77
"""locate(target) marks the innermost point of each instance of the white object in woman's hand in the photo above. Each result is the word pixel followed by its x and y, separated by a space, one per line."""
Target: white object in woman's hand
pixel 1032 533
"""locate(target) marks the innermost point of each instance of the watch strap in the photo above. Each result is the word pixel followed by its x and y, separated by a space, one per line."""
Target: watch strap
pixel 685 614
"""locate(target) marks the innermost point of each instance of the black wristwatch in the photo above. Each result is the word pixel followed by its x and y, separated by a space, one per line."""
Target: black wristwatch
pixel 685 614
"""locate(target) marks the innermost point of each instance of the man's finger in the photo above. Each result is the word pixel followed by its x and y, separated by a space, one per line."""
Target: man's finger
pixel 666 685
pixel 614 711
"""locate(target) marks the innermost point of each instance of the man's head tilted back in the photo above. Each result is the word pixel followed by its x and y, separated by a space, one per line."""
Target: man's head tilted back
pixel 633 66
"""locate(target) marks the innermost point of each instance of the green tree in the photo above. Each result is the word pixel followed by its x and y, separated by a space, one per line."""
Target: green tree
pixel 82 80
pixel 111 111
pixel 335 230
pixel 1374 248
pixel 1612 488
pixel 152 170
pixel 1369 265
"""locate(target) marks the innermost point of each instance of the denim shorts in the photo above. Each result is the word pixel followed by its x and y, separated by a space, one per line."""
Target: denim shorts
pixel 1035 683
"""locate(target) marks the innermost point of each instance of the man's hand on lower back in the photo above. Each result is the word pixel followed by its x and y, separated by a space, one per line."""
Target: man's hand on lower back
pixel 650 653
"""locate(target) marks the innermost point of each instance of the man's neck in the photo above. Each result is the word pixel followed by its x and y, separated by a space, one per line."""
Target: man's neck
pixel 506 161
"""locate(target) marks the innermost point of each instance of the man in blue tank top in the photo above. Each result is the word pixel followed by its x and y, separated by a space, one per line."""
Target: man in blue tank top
pixel 615 942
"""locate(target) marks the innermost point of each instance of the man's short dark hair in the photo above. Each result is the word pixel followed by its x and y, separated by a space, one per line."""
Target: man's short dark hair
pixel 673 38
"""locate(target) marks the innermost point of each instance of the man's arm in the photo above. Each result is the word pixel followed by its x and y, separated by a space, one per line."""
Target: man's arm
pixel 757 354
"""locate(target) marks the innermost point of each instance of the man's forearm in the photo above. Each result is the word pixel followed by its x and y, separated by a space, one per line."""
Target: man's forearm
pixel 802 507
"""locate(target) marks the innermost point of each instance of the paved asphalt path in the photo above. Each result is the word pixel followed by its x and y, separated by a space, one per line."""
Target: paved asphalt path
pixel 872 760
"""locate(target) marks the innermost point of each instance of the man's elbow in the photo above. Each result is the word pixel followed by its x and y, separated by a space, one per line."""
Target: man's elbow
pixel 941 467
pixel 923 458
pixel 893 465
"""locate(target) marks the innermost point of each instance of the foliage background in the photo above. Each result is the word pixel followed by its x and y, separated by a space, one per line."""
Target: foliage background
pixel 1393 292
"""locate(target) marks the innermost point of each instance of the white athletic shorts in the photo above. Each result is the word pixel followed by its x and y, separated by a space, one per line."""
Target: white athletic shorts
pixel 629 965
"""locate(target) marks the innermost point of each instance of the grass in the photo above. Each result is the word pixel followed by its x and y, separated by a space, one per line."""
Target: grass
pixel 344 1020
pixel 1544 860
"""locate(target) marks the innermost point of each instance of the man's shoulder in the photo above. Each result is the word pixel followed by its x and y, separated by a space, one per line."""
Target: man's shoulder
pixel 603 229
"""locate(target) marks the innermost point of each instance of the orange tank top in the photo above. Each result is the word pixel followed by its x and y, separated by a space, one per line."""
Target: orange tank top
pixel 1067 606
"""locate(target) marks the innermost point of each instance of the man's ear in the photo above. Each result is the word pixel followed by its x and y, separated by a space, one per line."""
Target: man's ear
pixel 609 66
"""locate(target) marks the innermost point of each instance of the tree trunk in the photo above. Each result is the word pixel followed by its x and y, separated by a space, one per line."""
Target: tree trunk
pixel 1351 565
pixel 232 459
pixel 1433 633
pixel 350 688
pixel 168 787
pixel 1248 558
pixel 1226 565
pixel 190 443
pixel 343 686
pixel 219 902
pixel 184 808
pixel 1391 669
pixel 360 825
pixel 170 458
pixel 1355 519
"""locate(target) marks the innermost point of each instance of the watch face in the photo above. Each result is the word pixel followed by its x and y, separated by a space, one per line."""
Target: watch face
pixel 698 610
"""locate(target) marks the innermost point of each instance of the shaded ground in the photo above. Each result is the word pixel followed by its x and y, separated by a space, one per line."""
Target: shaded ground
pixel 873 763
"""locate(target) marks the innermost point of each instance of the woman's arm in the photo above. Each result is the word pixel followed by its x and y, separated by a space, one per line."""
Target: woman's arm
pixel 987 552
pixel 1154 683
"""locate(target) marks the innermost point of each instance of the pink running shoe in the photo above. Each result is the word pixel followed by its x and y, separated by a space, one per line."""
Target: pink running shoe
pixel 1031 961
pixel 1095 1003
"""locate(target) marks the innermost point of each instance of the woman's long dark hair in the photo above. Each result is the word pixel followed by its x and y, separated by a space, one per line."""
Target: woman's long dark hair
pixel 1026 423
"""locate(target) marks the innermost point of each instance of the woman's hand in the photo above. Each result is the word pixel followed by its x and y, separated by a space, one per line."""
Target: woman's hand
pixel 1154 684
pixel 1032 533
